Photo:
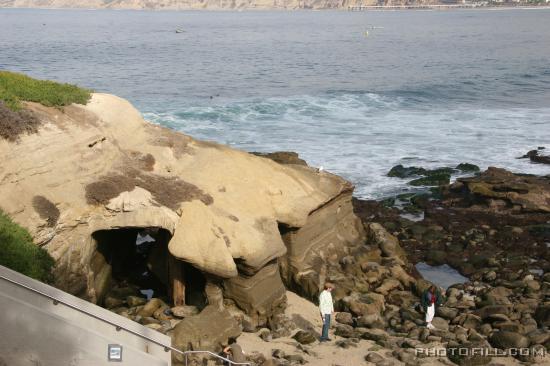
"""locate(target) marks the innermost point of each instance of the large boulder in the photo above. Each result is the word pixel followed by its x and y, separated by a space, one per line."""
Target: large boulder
pixel 468 354
pixel 206 331
pixel 388 243
pixel 506 340
pixel 529 193
pixel 304 337
pixel 330 233
pixel 542 315
pixel 260 296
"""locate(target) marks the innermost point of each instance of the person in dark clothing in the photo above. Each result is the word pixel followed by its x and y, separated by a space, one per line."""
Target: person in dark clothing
pixel 430 299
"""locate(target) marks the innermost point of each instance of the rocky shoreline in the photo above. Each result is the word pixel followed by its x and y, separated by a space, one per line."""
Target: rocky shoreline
pixel 244 242
pixel 497 236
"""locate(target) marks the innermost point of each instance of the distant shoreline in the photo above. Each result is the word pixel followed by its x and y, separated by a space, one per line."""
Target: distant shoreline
pixel 440 7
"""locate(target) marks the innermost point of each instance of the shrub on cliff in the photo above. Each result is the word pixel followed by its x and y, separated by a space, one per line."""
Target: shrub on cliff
pixel 18 252
pixel 15 88
pixel 14 123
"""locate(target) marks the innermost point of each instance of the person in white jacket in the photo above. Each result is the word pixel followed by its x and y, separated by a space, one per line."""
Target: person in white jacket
pixel 326 308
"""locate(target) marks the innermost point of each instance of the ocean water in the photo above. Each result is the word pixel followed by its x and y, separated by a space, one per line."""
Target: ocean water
pixel 429 88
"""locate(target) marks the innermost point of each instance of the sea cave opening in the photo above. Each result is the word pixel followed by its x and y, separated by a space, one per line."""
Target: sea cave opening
pixel 139 258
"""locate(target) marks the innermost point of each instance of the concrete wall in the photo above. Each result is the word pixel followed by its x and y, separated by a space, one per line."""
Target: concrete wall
pixel 34 331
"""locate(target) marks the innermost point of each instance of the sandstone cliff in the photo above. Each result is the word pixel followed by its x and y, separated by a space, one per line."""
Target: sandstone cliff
pixel 200 4
pixel 93 170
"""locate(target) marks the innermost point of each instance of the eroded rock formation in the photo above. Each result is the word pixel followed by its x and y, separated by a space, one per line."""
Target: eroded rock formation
pixel 98 172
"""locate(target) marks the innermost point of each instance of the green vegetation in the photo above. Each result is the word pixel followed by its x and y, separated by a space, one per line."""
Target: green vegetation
pixel 18 252
pixel 15 88
pixel 438 179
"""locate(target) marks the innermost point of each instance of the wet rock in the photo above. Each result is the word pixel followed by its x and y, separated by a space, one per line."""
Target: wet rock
pixel 485 329
pixel 505 340
pixel 304 337
pixel 345 331
pixel 265 335
pixel 150 307
pixel 371 321
pixel 154 326
pixel 388 244
pixel 278 353
pixel 282 326
pixel 256 358
pixel 134 301
pixel 470 321
pixel 400 171
pixel 405 356
pixel 497 296
pixel 376 335
pixel 111 302
pixel 374 358
pixel 344 318
pixel 536 157
pixel 398 273
pixel 492 318
pixel 432 180
pixel 509 326
pixel 162 313
pixel 371 303
pixel 184 311
pixel 542 315
pixel 149 320
pixel 346 343
pixel 490 276
pixel 467 168
pixel 446 312
pixel 489 310
pixel 374 272
pixel 436 257
pixel 205 331
pixel 538 337
pixel 529 193
pixel 468 358
pixel 388 285
pixel 440 323
pixel 474 336
pixel 295 359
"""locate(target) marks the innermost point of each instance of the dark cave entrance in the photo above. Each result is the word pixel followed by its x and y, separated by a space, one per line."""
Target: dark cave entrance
pixel 139 258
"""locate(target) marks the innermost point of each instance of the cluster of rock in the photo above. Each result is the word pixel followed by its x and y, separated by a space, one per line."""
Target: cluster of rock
pixel 537 156
pixel 493 228
pixel 255 226
pixel 430 177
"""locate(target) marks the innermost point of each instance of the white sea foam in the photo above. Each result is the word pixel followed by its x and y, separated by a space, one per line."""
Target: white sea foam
pixel 362 135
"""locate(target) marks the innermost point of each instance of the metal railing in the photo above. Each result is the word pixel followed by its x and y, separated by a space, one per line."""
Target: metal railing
pixel 119 327
pixel 186 353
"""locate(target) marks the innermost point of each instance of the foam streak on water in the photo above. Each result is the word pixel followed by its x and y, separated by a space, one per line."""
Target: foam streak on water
pixel 362 135
pixel 427 88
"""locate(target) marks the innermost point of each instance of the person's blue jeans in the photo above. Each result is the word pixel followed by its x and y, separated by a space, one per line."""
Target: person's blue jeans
pixel 326 326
